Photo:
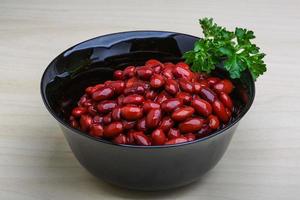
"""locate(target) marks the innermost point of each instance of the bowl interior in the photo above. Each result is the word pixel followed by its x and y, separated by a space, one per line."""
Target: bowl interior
pixel 94 61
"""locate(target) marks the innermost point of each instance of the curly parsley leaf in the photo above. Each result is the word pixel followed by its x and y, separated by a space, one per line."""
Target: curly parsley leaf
pixel 236 47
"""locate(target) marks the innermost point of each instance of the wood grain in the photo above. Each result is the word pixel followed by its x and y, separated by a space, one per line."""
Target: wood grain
pixel 263 160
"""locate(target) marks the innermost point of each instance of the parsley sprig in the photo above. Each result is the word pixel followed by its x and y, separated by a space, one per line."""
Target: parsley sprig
pixel 234 48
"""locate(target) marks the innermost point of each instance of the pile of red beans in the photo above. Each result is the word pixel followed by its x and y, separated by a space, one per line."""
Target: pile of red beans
pixel 155 104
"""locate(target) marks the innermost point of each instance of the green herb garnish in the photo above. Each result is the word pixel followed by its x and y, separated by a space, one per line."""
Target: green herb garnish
pixel 234 48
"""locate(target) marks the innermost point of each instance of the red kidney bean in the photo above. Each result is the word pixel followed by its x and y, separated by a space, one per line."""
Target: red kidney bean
pixel 212 81
pixel 186 98
pixel 181 72
pixel 190 136
pixel 153 63
pixel 134 90
pixel 157 81
pixel 171 86
pixel 176 140
pixel 191 125
pixel 120 139
pixel 157 69
pixel 106 106
pixel 208 94
pixel 171 104
pixel 224 86
pixel 133 99
pixel 116 114
pixel 141 124
pixel 92 110
pixel 153 118
pixel 144 72
pixel 228 111
pixel 127 125
pixel 113 129
pixel 130 138
pixel 173 133
pixel 184 65
pixel 214 122
pixel 131 82
pixel 120 100
pixel 183 113
pixel 98 119
pixel 103 93
pixel 158 137
pixel 204 131
pixel 78 111
pixel 168 65
pixel 129 72
pixel 92 89
pixel 166 124
pixel 149 105
pixel 201 106
pixel 197 87
pixel 226 100
pixel 186 86
pixel 85 122
pixel 219 110
pixel 141 139
pixel 82 100
pixel 118 75
pixel 163 96
pixel 107 119
pixel 131 112
pixel 117 86
pixel 204 83
pixel 167 72
pixel 96 130
pixel 150 94
pixel 88 102
pixel 74 124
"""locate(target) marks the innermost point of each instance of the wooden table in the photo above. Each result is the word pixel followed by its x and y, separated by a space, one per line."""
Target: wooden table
pixel 263 160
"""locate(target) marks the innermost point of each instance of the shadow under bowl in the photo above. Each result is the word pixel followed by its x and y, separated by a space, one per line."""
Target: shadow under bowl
pixel 134 167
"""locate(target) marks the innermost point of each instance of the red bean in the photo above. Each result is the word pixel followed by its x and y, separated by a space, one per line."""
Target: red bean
pixel 103 93
pixel 92 110
pixel 212 81
pixel 191 125
pixel 173 133
pixel 201 106
pixel 129 71
pixel 167 72
pixel 141 139
pixel 171 86
pixel 158 137
pixel 148 105
pixel 120 139
pixel 228 111
pixel 157 81
pixel 85 122
pixel 171 104
pixel 78 111
pixel 186 86
pixel 224 86
pixel 96 130
pixel 130 138
pixel 131 82
pixel 141 124
pixel 118 74
pixel 131 112
pixel 153 63
pixel 157 69
pixel 181 72
pixel 197 87
pixel 219 110
pixel 74 124
pixel 113 129
pixel 183 64
pixel 150 94
pixel 166 124
pixel 208 94
pixel 176 140
pixel 190 136
pixel 98 119
pixel 163 96
pixel 133 99
pixel 88 103
pixel 120 100
pixel 106 106
pixel 204 131
pixel 214 122
pixel 117 86
pixel 134 90
pixel 144 72
pixel 116 114
pixel 107 119
pixel 127 125
pixel 183 113
pixel 226 100
pixel 186 98
pixel 153 118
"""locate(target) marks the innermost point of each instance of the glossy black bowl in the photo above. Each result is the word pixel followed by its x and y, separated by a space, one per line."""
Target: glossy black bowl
pixel 135 167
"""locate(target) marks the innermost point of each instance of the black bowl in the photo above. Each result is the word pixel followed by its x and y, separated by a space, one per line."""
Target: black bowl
pixel 135 167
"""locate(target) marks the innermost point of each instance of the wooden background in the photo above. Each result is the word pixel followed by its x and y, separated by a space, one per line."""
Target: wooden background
pixel 263 160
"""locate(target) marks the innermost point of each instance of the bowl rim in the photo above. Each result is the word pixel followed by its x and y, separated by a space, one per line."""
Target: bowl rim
pixel 66 125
